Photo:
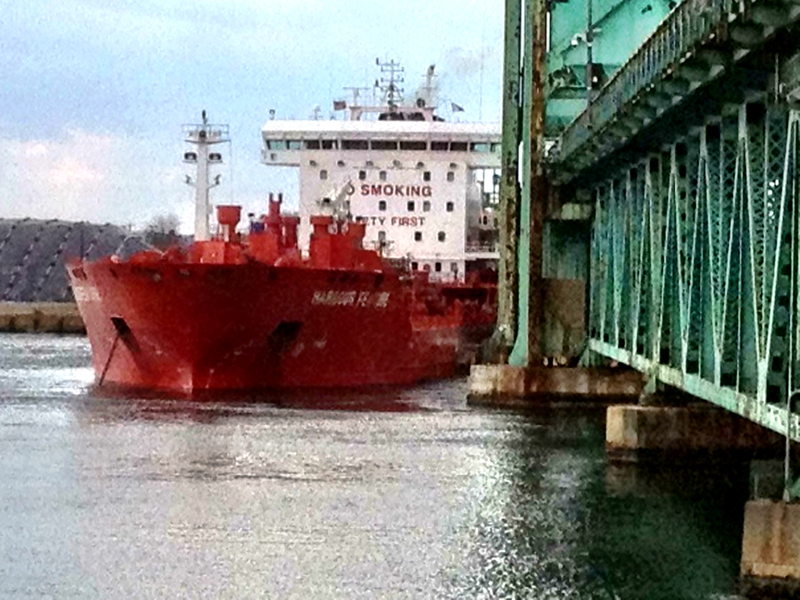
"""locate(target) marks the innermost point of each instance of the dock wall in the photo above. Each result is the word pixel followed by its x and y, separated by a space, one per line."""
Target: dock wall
pixel 40 317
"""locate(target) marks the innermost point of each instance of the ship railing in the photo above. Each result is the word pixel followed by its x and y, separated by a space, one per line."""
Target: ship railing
pixel 689 26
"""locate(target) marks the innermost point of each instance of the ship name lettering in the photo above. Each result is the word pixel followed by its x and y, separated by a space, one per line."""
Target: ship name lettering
pixel 333 298
pixel 86 293
pixel 363 299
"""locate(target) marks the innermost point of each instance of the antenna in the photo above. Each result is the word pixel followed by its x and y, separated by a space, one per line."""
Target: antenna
pixel 391 78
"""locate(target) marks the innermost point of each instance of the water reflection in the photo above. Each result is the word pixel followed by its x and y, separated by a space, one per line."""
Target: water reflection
pixel 395 493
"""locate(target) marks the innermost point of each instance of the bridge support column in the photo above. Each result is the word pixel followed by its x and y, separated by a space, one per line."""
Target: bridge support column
pixel 770 564
pixel 635 432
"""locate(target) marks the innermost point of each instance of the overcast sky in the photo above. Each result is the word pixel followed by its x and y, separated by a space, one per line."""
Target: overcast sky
pixel 94 92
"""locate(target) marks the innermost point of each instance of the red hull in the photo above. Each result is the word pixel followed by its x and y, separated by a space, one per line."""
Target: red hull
pixel 187 327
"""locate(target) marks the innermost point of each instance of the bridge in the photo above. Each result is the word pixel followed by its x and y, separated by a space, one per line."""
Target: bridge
pixel 688 160
pixel 690 157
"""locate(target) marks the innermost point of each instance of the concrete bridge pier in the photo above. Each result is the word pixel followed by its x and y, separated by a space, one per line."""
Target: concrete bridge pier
pixel 636 431
pixel 770 566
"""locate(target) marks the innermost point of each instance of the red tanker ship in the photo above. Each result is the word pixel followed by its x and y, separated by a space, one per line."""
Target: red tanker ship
pixel 250 313
pixel 241 312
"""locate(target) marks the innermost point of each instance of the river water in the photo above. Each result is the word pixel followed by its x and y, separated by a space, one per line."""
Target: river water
pixel 392 494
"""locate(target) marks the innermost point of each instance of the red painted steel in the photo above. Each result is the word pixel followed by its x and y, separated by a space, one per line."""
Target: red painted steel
pixel 251 313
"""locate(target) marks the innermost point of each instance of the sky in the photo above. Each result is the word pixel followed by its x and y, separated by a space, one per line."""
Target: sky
pixel 94 92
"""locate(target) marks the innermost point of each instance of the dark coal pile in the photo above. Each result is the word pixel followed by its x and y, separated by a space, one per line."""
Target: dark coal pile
pixel 32 255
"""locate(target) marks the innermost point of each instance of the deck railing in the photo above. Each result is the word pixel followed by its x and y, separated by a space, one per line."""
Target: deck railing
pixel 690 25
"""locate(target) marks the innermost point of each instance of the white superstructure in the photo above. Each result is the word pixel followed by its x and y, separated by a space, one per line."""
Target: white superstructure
pixel 415 179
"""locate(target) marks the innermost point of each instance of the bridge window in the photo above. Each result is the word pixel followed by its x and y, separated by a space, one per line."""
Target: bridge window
pixel 295 145
pixel 426 176
pixel 426 206
pixel 450 207
pixel 451 176
pixel 276 144
pixel 323 174
pixel 458 146
pixel 383 145
pixel 496 147
pixel 440 236
pixel 382 175
pixel 329 144
pixel 414 145
pixel 312 145
pixel 417 236
pixel 382 205
pixel 439 146
pixel 479 147
pixel 410 206
pixel 355 145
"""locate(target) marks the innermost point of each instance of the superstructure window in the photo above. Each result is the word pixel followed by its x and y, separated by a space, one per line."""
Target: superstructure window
pixel 362 175
pixel 449 206
pixel 312 144
pixel 323 174
pixel 426 206
pixel 458 146
pixel 417 236
pixel 451 176
pixel 410 206
pixel 454 267
pixel 382 175
pixel 440 236
pixel 355 145
pixel 414 145
pixel 439 146
pixel 414 265
pixel 437 267
pixel 382 237
pixel 382 205
pixel 426 176
pixel 383 145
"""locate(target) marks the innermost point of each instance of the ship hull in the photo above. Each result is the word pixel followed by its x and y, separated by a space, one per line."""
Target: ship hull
pixel 213 327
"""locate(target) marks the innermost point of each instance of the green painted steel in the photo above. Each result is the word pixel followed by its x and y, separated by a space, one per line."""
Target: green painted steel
pixel 509 185
pixel 695 243
pixel 696 264
pixel 528 344
pixel 519 352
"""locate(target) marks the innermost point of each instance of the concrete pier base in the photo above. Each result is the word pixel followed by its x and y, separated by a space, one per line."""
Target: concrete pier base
pixel 770 564
pixel 634 432
pixel 503 385
pixel 40 317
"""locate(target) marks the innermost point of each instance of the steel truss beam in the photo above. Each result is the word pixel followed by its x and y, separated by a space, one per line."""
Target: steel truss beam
pixel 695 258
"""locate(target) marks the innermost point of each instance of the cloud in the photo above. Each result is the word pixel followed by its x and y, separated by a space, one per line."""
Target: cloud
pixel 84 176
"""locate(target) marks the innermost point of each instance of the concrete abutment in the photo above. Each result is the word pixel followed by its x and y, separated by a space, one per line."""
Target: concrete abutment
pixel 770 566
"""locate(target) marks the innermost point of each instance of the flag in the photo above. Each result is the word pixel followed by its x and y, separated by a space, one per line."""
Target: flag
pixel 456 108
pixel 339 105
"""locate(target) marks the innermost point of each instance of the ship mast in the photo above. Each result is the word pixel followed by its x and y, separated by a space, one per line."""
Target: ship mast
pixel 202 137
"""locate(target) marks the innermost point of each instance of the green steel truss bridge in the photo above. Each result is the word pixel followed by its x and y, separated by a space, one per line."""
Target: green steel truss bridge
pixel 691 156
